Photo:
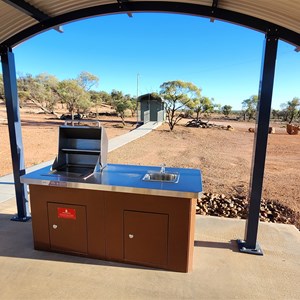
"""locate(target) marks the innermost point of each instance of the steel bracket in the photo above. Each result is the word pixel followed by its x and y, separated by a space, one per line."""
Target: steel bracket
pixel 16 218
pixel 243 248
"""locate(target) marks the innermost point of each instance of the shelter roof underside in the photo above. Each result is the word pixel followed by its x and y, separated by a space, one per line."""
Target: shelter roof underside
pixel 17 17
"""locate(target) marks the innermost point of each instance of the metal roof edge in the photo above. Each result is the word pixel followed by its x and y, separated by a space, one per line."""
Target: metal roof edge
pixel 284 34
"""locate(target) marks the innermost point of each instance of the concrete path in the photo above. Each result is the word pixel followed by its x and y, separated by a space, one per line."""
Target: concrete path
pixel 220 271
pixel 7 190
pixel 128 137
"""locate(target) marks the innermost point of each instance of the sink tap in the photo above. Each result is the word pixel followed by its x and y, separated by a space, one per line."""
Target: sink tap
pixel 163 168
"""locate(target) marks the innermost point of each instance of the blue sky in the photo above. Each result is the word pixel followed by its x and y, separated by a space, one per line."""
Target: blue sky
pixel 223 59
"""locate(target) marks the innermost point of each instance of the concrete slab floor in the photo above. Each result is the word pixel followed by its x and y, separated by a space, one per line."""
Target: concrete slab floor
pixel 220 271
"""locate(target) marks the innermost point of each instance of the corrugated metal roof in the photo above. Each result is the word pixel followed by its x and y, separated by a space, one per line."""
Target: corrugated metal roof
pixel 284 13
pixel 12 21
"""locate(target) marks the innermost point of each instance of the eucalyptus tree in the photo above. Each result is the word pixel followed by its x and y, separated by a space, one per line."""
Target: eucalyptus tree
pixel 121 103
pixel 202 105
pixel 250 106
pixel 87 80
pixel 121 106
pixel 50 84
pixel 226 110
pixel 96 99
pixel 132 103
pixel 291 110
pixel 177 95
pixel 74 96
pixel 40 90
pixel 29 89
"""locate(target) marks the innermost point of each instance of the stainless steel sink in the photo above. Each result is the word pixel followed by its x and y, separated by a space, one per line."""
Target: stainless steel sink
pixel 161 176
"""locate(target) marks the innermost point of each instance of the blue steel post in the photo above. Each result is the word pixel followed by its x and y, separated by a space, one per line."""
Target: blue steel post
pixel 250 245
pixel 15 134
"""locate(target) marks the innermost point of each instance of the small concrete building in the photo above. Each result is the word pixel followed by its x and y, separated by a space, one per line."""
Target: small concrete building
pixel 151 108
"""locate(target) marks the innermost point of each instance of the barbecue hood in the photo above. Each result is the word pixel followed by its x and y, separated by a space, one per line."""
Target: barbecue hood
pixel 82 151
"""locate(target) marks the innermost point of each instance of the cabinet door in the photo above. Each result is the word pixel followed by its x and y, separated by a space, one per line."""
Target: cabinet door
pixel 146 238
pixel 67 227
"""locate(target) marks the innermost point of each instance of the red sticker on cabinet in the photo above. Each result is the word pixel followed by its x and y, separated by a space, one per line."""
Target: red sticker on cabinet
pixel 66 213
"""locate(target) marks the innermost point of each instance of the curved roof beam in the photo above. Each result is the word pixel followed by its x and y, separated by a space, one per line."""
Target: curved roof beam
pixel 212 12
pixel 124 7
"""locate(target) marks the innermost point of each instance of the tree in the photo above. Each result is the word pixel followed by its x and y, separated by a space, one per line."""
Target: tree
pixel 96 99
pixel 75 97
pixel 250 107
pixel 121 106
pixel 290 109
pixel 50 84
pixel 132 104
pixel 116 95
pixel 217 108
pixel 226 110
pixel 203 105
pixel 30 90
pixel 40 90
pixel 120 103
pixel 177 95
pixel 87 80
pixel 275 113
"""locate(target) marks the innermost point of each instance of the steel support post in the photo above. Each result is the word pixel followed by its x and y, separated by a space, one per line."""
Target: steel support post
pixel 250 245
pixel 15 134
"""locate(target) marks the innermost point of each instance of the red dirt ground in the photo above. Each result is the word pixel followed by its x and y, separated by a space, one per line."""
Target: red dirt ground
pixel 223 156
pixel 40 136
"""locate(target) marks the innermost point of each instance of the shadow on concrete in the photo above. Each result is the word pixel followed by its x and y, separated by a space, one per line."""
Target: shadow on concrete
pixel 10 183
pixel 231 245
pixel 17 242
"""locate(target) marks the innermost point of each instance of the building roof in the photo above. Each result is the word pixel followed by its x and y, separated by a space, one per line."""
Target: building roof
pixel 19 19
pixel 150 96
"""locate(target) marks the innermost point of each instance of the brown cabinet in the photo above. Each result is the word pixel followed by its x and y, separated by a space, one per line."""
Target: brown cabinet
pixel 146 238
pixel 67 228
pixel 155 231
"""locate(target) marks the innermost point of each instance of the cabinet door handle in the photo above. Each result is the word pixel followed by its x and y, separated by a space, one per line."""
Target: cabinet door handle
pixel 131 236
pixel 54 226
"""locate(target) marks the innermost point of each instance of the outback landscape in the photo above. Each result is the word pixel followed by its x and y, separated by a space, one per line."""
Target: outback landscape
pixel 224 156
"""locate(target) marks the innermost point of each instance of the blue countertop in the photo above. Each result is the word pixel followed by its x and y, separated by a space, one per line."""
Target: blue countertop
pixel 126 179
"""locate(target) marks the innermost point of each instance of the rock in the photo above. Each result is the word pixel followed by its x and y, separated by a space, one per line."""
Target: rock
pixel 237 207
pixel 271 130
pixel 292 129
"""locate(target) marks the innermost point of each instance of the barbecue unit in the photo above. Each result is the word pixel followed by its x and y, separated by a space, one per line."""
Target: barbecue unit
pixel 135 214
